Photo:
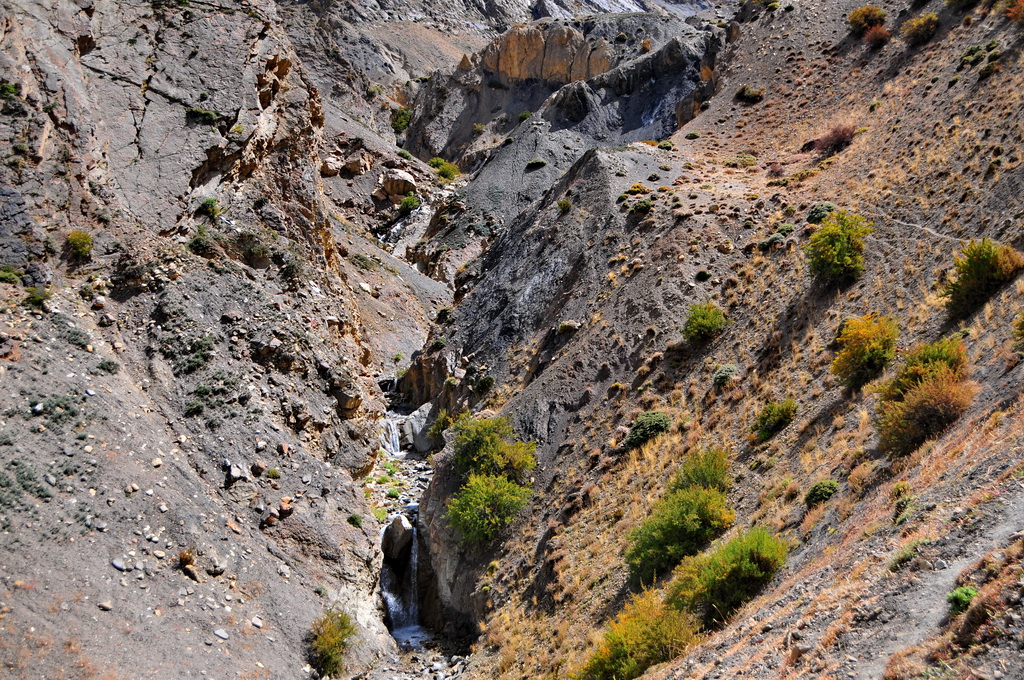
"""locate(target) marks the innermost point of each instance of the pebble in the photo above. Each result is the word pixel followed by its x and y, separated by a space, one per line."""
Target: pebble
pixel 156 462
pixel 105 605
pixel 119 564
pixel 221 633
pixel 159 554
pixel 256 622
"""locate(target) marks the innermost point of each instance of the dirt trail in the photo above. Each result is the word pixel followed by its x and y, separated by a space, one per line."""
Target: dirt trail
pixel 921 606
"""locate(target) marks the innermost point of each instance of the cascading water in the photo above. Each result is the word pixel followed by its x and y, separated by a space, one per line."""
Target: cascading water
pixel 390 440
pixel 399 587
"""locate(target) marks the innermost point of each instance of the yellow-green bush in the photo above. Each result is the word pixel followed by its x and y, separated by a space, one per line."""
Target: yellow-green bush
pixel 866 346
pixel 484 506
pixel 835 252
pixel 715 584
pixel 982 268
pixel 328 641
pixel 488 446
pixel 707 467
pixel 919 30
pixel 706 320
pixel 773 418
pixel 647 632
pixel 863 18
pixel 681 523
pixel 924 360
pixel 79 245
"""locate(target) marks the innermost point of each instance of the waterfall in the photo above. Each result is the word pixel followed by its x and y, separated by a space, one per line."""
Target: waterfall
pixel 390 440
pixel 399 586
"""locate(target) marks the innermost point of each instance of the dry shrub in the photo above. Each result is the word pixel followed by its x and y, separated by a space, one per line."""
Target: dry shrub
pixel 982 268
pixel 925 411
pixel 1015 12
pixel 836 139
pixel 877 37
pixel 864 18
pixel 867 345
pixel 921 29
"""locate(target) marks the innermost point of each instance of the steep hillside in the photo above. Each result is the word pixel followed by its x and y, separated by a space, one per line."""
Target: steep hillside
pixel 241 301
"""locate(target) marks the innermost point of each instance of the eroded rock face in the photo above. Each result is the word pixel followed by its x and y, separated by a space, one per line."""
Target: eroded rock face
pixel 554 53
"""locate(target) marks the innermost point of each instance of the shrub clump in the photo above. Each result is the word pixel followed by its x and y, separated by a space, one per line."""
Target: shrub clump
pixel 924 412
pixel 864 18
pixel 79 245
pixel 446 170
pixel 707 468
pixel 724 375
pixel 409 203
pixel 775 416
pixel 866 346
pixel 488 446
pixel 328 641
pixel 484 505
pixel 750 95
pixel 400 119
pixel 820 211
pixel 921 362
pixel 706 320
pixel 836 139
pixel 648 425
pixel 877 37
pixel 647 632
pixel 982 268
pixel 820 492
pixel 681 523
pixel 564 206
pixel 1015 12
pixel 715 584
pixel 919 30
pixel 836 251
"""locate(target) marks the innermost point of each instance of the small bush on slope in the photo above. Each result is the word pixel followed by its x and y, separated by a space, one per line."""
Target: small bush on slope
pixel 706 320
pixel 681 523
pixel 867 345
pixel 924 360
pixel 982 268
pixel 648 425
pixel 775 416
pixel 716 584
pixel 328 640
pixel 708 468
pixel 920 30
pixel 864 18
pixel 647 632
pixel 820 492
pixel 835 251
pixel 487 446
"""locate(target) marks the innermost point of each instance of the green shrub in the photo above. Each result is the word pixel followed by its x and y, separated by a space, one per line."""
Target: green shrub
pixel 108 366
pixel 706 320
pixel 486 446
pixel 445 169
pixel 409 203
pixel 210 208
pixel 681 523
pixel 707 468
pixel 535 163
pixel 863 18
pixel 925 411
pixel 1018 333
pixel 641 207
pixel 820 492
pixel 328 641
pixel 820 211
pixel 9 274
pixel 666 145
pixel 773 418
pixel 960 599
pixel 79 245
pixel 204 116
pixel 356 520
pixel 919 30
pixel 402 153
pixel 866 346
pixel 564 206
pixel 37 296
pixel 749 95
pixel 400 119
pixel 645 633
pixel 715 584
pixel 922 361
pixel 648 425
pixel 724 375
pixel 484 505
pixel 274 473
pixel 835 251
pixel 982 268
pixel 523 115
pixel 203 242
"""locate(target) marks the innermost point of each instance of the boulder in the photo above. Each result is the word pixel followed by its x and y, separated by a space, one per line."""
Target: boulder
pixel 397 538
pixel 414 429
pixel 397 183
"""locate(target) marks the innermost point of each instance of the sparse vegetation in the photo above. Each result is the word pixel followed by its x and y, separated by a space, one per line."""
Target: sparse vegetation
pixel 564 206
pixel 923 361
pixel 648 425
pixel 329 640
pixel 706 467
pixel 724 375
pixel 960 599
pixel 981 269
pixel 400 119
pixel 488 446
pixel 820 492
pixel 819 212
pixel 925 411
pixel 408 204
pixel 706 320
pixel 523 115
pixel 9 274
pixel 750 95
pixel 775 416
pixel 866 346
pixel 37 297
pixel 835 251
pixel 837 138
pixel 446 170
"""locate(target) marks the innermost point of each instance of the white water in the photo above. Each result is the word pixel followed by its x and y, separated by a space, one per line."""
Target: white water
pixel 390 440
pixel 402 600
